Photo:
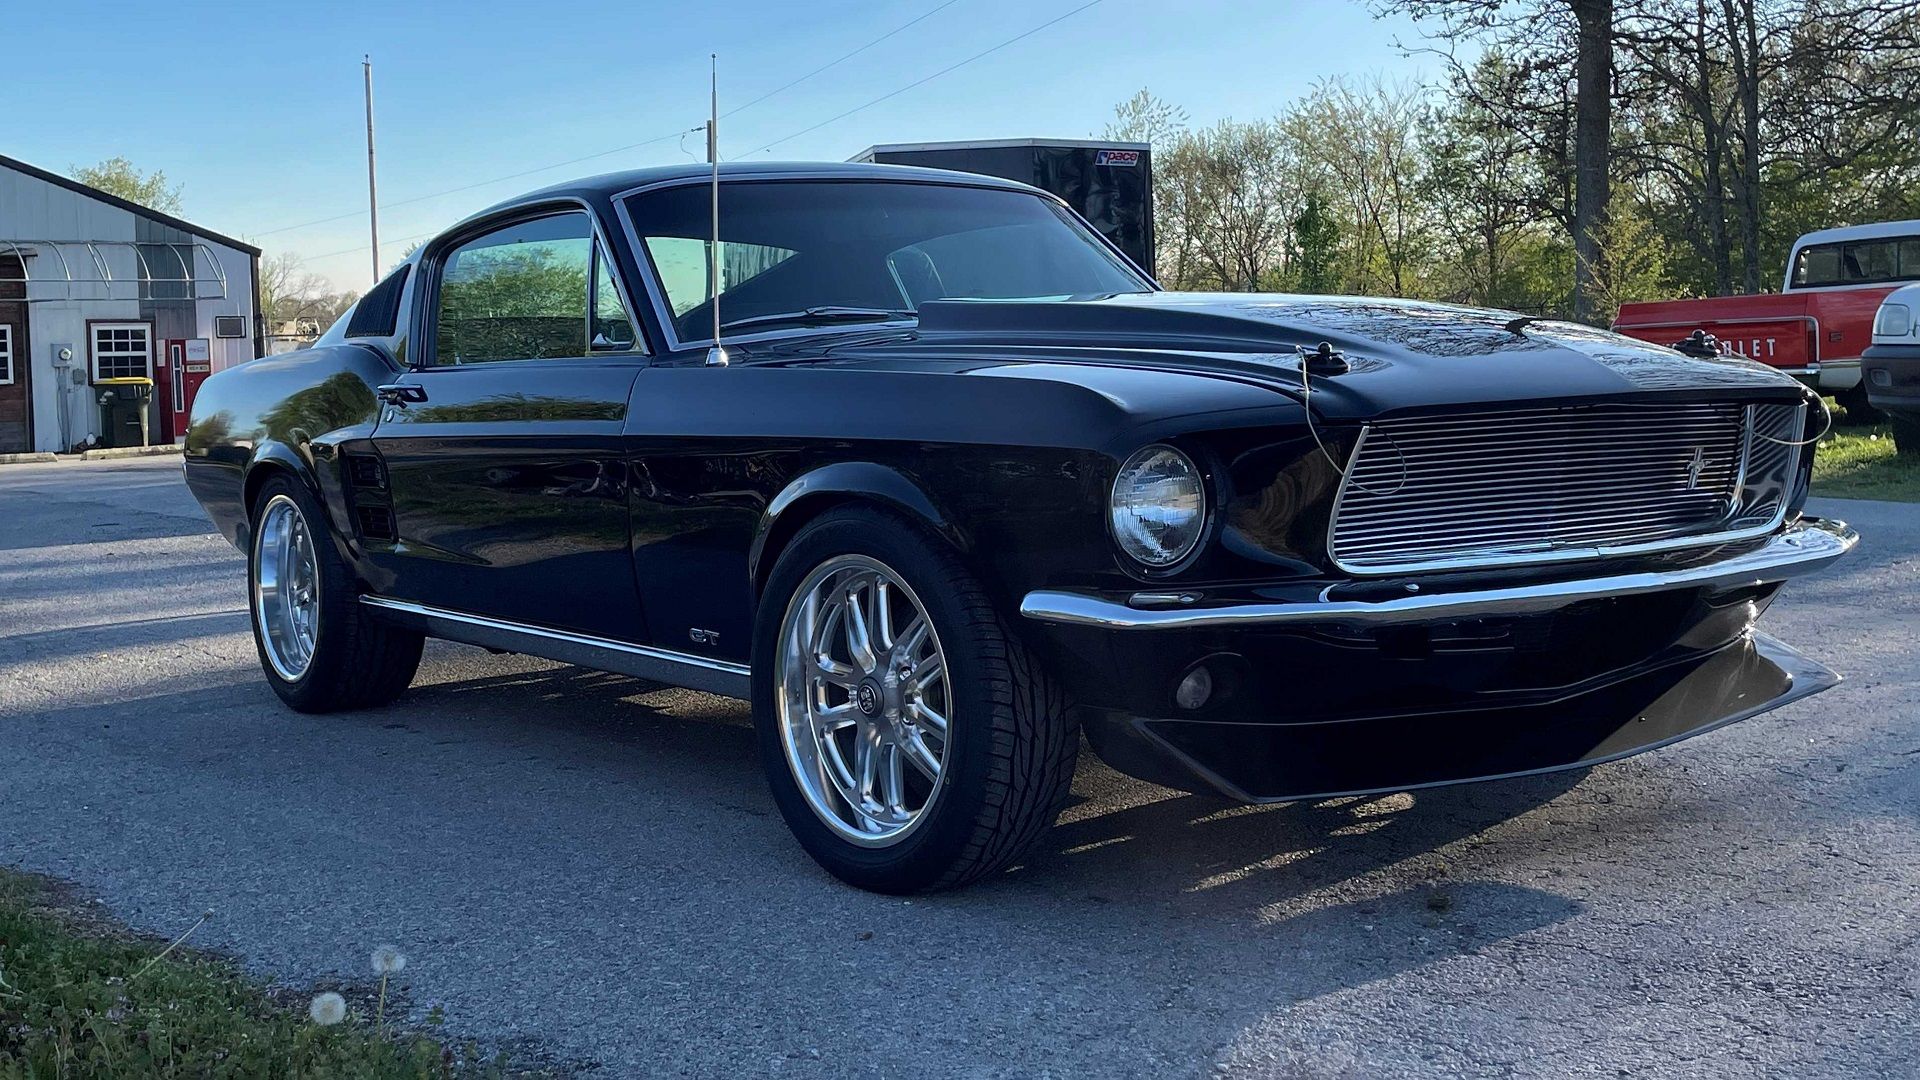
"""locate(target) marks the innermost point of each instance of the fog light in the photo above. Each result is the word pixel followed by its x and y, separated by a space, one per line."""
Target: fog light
pixel 1195 689
pixel 1880 377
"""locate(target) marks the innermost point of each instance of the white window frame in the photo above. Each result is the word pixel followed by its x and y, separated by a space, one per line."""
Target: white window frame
pixel 6 354
pixel 93 344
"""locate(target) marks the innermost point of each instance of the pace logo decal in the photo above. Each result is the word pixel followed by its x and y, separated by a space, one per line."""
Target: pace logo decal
pixel 1123 158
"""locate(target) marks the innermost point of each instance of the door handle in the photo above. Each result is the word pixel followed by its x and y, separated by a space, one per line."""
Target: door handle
pixel 402 393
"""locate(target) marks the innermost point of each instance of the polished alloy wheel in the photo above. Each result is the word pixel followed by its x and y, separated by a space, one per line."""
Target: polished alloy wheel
pixel 286 587
pixel 864 701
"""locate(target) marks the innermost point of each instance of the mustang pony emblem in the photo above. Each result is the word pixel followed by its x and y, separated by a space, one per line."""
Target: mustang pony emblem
pixel 1696 467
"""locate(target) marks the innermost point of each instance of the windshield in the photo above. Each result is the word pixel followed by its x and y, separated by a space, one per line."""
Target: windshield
pixel 794 247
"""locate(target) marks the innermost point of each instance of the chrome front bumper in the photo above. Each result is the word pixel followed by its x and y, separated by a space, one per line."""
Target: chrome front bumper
pixel 1802 547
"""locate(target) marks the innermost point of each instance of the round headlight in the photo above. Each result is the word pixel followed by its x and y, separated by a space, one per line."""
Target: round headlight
pixel 1159 506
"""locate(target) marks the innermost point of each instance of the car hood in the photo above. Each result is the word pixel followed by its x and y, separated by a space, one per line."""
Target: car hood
pixel 1404 355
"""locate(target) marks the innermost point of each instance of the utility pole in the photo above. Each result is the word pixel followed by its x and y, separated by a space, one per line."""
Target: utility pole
pixel 373 199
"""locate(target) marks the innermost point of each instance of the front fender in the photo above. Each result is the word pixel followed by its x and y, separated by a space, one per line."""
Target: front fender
pixel 841 482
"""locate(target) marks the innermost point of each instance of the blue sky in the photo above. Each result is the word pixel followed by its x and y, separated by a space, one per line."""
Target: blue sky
pixel 256 107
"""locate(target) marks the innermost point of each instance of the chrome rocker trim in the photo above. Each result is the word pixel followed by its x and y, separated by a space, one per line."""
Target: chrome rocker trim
pixel 721 677
pixel 1804 546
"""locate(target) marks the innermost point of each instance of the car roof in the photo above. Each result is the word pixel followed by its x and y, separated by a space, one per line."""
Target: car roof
pixel 613 183
pixel 607 185
pixel 1861 232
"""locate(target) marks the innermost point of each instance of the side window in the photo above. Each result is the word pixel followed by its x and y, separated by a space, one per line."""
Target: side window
pixel 517 293
pixel 612 326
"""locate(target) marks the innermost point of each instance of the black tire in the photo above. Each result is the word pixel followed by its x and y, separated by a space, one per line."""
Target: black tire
pixel 1011 758
pixel 357 660
pixel 1859 409
pixel 1906 432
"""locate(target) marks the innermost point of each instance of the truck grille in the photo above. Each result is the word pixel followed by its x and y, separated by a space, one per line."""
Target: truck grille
pixel 1490 489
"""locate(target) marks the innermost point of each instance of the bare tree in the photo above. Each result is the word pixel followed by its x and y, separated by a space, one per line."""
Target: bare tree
pixel 1362 145
pixel 289 294
pixel 1246 190
pixel 1148 119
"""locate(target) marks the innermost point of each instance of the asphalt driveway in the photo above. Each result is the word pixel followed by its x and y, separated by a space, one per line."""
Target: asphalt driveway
pixel 593 865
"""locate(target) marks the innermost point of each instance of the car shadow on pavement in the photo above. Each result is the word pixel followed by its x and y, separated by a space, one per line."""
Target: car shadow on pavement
pixel 1236 855
pixel 1120 840
pixel 1282 904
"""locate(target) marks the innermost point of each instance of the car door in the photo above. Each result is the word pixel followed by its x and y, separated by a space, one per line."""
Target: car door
pixel 503 442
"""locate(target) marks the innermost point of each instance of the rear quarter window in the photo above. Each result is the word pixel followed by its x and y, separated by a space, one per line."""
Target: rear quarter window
pixel 378 312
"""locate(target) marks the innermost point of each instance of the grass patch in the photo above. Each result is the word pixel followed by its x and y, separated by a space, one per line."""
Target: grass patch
pixel 1861 463
pixel 71 1005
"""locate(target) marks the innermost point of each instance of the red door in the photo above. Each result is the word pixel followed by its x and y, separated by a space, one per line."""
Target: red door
pixel 16 395
pixel 185 367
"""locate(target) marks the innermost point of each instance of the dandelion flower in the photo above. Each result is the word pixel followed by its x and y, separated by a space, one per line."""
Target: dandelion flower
pixel 388 960
pixel 328 1009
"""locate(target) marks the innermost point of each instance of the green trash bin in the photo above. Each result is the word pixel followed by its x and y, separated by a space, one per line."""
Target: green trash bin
pixel 123 410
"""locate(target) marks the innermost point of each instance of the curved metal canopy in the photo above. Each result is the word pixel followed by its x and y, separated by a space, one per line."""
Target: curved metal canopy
pixel 70 270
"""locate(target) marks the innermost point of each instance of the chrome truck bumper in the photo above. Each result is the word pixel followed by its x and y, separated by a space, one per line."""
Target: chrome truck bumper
pixel 1802 547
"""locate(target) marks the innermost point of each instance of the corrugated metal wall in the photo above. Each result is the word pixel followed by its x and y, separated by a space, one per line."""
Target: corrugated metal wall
pixel 35 209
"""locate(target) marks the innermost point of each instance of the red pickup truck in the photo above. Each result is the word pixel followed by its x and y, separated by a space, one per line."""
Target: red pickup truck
pixel 1817 325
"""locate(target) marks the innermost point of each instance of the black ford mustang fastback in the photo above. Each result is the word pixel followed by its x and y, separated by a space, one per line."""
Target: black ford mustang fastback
pixel 964 483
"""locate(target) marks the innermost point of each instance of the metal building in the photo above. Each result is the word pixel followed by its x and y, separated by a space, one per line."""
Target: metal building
pixel 93 288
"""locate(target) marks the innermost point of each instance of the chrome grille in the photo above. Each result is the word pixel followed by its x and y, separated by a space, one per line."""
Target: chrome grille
pixel 1503 488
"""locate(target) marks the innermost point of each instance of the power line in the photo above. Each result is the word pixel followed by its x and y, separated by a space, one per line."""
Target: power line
pixel 305 259
pixel 480 183
pixel 788 86
pixel 927 79
pixel 619 149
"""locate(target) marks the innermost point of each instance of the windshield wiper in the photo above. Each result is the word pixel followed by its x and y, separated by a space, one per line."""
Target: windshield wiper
pixel 814 315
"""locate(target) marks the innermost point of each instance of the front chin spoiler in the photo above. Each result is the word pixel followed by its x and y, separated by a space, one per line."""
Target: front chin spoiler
pixel 1279 762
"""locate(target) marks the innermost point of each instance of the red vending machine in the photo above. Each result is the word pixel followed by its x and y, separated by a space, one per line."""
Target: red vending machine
pixel 185 364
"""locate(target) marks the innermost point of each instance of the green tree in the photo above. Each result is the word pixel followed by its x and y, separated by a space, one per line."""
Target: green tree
pixel 1483 186
pixel 118 176
pixel 1314 248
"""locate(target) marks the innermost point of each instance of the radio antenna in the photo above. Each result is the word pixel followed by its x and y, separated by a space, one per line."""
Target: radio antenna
pixel 717 355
